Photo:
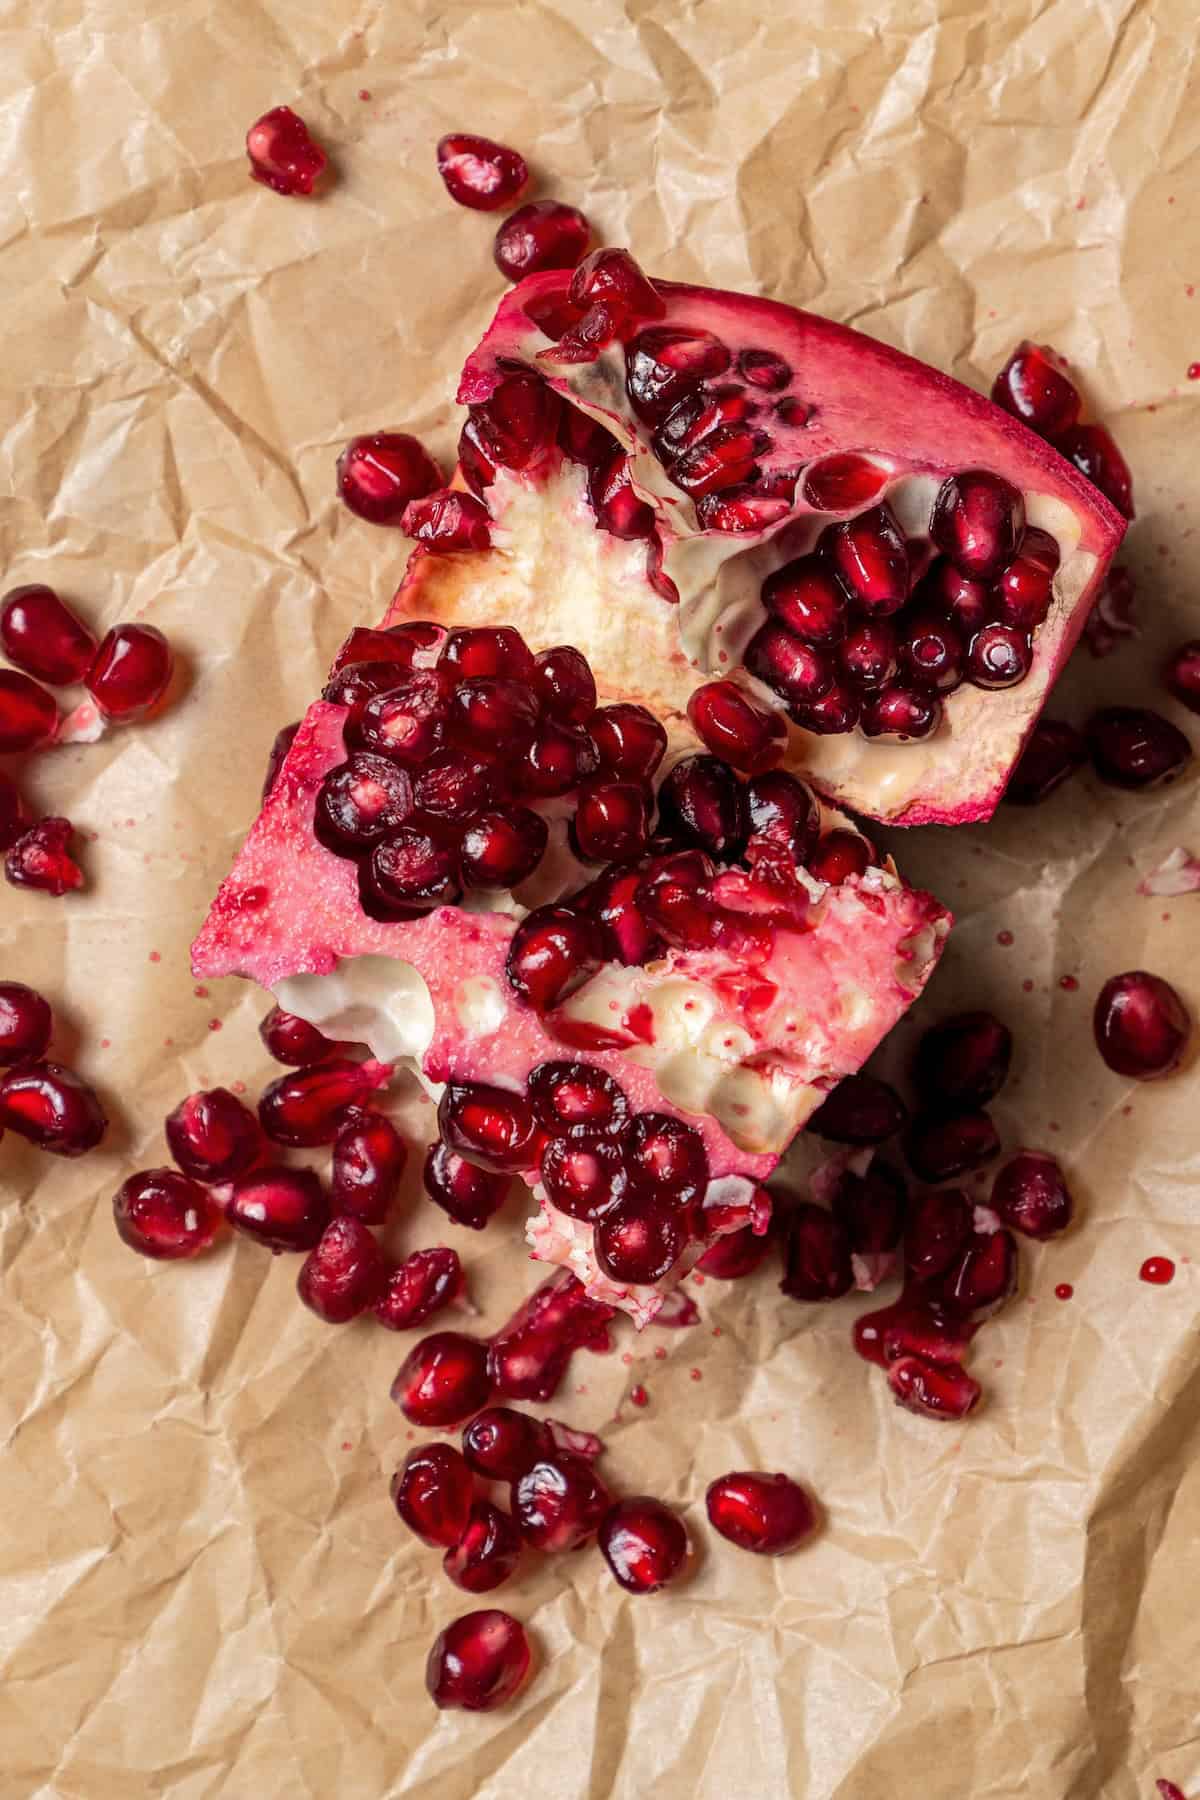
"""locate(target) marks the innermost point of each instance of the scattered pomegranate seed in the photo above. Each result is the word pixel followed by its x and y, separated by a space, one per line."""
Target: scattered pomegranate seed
pixel 734 1255
pixel 1182 674
pixel 292 1040
pixel 936 1232
pixel 423 1283
pixel 343 1273
pixel 28 713
pixel 501 1444
pixel 861 1109
pixel 1031 1195
pixel 644 1543
pixel 309 1106
pixel 544 234
pixel 816 1255
pixel 432 1491
pixel 479 1662
pixel 935 1390
pixel 985 1275
pixel 1064 1291
pixel 1133 747
pixel 368 1160
pixel 871 1209
pixel 1159 1271
pixel 917 1324
pixel 282 154
pixel 1053 751
pixel 470 1195
pixel 1092 450
pixel 939 1147
pixel 53 1107
pixel 491 1126
pixel 39 859
pixel 487 1553
pixel 162 1214
pixel 41 634
pixel 963 1061
pixel 212 1136
pixel 768 1514
pixel 978 520
pixel 285 1209
pixel 839 855
pixel 378 475
pixel 443 1380
pixel 1035 387
pixel 1142 1026
pixel 529 1355
pixel 445 521
pixel 734 726
pixel 480 173
pixel 131 672
pixel 26 1022
pixel 559 1502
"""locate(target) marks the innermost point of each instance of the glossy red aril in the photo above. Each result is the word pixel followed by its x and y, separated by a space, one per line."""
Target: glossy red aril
pixel 292 1040
pixel 618 508
pixel 559 758
pixel 406 723
pixel 360 802
pixel 480 173
pixel 459 785
pixel 968 604
pixel 840 482
pixel 613 902
pixel 665 363
pixel 736 727
pixel 559 1502
pixel 379 474
pixel 663 1155
pixel 930 650
pixel 984 1276
pixel 446 521
pixel 528 1356
pixel 630 741
pixel 741 508
pixel 368 1160
pixel 40 633
pixel 919 1323
pixel 309 1106
pixel 420 1286
pixel 872 1208
pixel 469 1194
pixel 583 1175
pixel 783 811
pixel 26 1022
pixel 639 1240
pixel 764 369
pixel 735 1254
pixel 978 520
pixel 1024 592
pixel 1053 751
pixel 870 555
pixel 1182 674
pixel 494 713
pixel 940 1146
pixel 344 1273
pixel 612 822
pixel 564 684
pixel 1034 386
pixel 769 1514
pixel 723 459
pixel 443 1380
pixel 285 1209
pixel 964 1060
pixel 131 672
pixel 577 1098
pixel 999 657
pixel 938 1225
pixel 1030 1193
pixel 432 1491
pixel 901 710
pixel 487 1553
pixel 162 1214
pixel 212 1136
pixel 612 275
pixel 816 1255
pixel 28 714
pixel 282 154
pixel 553 952
pixel 491 1126
pixel 870 654
pixel 1133 747
pixel 797 671
pixel 478 1663
pixel 936 1390
pixel 1092 450
pixel 544 234
pixel 501 1444
pixel 13 816
pixel 644 1543
pixel 702 802
pixel 860 1110
pixel 807 597
pixel 1142 1026
pixel 53 1107
pixel 40 859
pixel 502 849
pixel 839 855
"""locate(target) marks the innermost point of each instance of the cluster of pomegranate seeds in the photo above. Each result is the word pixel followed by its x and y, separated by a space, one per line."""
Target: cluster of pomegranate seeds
pixel 283 156
pixel 768 1514
pixel 42 1101
pixel 1035 386
pixel 380 474
pixel 1142 1026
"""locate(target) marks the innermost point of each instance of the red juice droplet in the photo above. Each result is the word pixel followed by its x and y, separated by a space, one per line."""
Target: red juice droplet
pixel 1005 938
pixel 1068 984
pixel 156 956
pixel 1063 1291
pixel 1157 1270
pixel 1194 371
pixel 695 1375
pixel 639 1396
pixel 214 1024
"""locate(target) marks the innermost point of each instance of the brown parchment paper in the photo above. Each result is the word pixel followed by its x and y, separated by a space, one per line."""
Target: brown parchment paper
pixel 203 1589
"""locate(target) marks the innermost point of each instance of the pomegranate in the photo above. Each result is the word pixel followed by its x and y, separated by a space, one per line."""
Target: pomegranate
pixel 501 1444
pixel 420 1286
pixel 378 475
pixel 343 1273
pixel 443 1380
pixel 1142 1026
pixel 769 1514
pixel 53 1107
pixel 1053 751
pixel 282 155
pixel 816 1255
pixel 487 1552
pixel 1133 747
pixel 937 1229
pixel 544 234
pixel 213 1137
pixel 479 1662
pixel 984 1276
pixel 940 1146
pixel 164 1215
pixel 936 1390
pixel 433 1492
pixel 964 1061
pixel 479 173
pixel 293 1040
pixel 40 859
pixel 469 1194
pixel 41 634
pixel 130 672
pixel 28 714
pixel 285 1209
pixel 1030 1194
pixel 644 1543
pixel 368 1160
pixel 311 1105
pixel 1036 387
pixel 860 1110
pixel 1181 674
pixel 26 1022
pixel 528 1356
pixel 559 1502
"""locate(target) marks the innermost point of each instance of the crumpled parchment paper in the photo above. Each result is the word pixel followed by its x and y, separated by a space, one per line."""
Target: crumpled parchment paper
pixel 205 1589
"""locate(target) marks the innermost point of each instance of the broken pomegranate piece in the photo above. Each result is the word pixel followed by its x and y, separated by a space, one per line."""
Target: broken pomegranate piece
pixel 480 173
pixel 282 154
pixel 40 859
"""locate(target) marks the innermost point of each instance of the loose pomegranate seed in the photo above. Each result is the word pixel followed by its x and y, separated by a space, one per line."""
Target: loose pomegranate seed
pixel 565 685
pixel 1092 450
pixel 379 474
pixel 480 173
pixel 999 657
pixel 935 1390
pixel 344 1273
pixel 559 758
pixel 583 1175
pixel 40 859
pixel 41 634
pixel 368 1160
pixel 529 1355
pixel 769 1514
pixel 25 1023
pixel 665 363
pixel 939 1147
pixel 984 1276
pixel 309 1106
pixel 1182 674
pixel 487 1553
pixel 664 1156
pixel 1024 593
pixel 553 952
pixel 558 1503
pixel 469 1194
pixel 13 818
pixel 1142 1026
pixel 433 1493
pixel 164 1215
pixel 629 741
pixel 917 1324
pixel 838 710
pixel 1053 751
pixel 479 1662
pixel 871 1208
pixel 903 710
pixel 515 428
pixel 612 822
pixel 285 1209
pixel 861 1109
pixel 422 1284
pixel 280 745
pixel 619 509
pixel 131 672
pixel 702 802
pixel 491 1126
pixel 639 1240
pixel 735 727
pixel 442 1380
pixel 797 671
pixel 28 714
pixel 963 1061
pixel 494 714
pixel 282 155
pixel 212 1136
pixel 544 234
pixel 502 849
pixel 839 855
pixel 446 521
pixel 292 1040
pixel 816 1255
pixel 735 1254
pixel 1133 747
pixel 870 653
pixel 1034 386
pixel 53 1107
pixel 614 276
pixel 939 1224
pixel 1031 1194
pixel 577 1098
pixel 501 1444
pixel 930 650
pixel 644 1543
pixel 977 521
pixel 459 785
pixel 841 482
pixel 870 555
pixel 807 597
pixel 409 871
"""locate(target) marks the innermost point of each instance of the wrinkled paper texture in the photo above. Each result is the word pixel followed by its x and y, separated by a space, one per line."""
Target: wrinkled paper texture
pixel 206 1591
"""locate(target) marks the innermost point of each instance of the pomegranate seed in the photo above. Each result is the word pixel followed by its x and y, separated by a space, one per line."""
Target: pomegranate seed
pixel 861 1109
pixel 735 1254
pixel 639 1240
pixel 735 727
pixel 613 275
pixel 619 509
pixel 839 855
pixel 433 1493
pixel 807 597
pixel 763 369
pixel 741 508
pixel 487 1553
pixel 871 1209
pixel 53 1107
pixel 1133 747
pixel 479 1662
pixel 769 1514
pixel 698 415
pixel 723 459
pixel 41 634
pixel 939 1224
pixel 528 1356
pixel 565 685
pixel 309 1106
pixel 280 745
pixel 379 474
pixel 999 657
pixel 544 234
pixel 445 521
pixel 354 683
pixel 590 331
pixel 368 1160
pixel 665 363
pixel 501 1444
pixel 494 713
pixel 558 1503
pixel 629 741
pixel 422 1284
pixel 559 758
pixel 1034 386
pixel 442 1380
pixel 584 1175
pixel 933 1389
pixel 283 156
pixel 920 1326
pixel 285 1209
pixel 164 1215
pixel 977 521
pixel 553 952
pixel 13 818
pixel 870 555
pixel 469 1194
pixel 965 602
pixel 963 1061
pixel 131 671
pixel 644 1543
pixel 583 439
pixel 1095 455
pixel 491 1126
pixel 627 935
pixel 783 811
pixel 409 646
pixel 39 859
pixel 664 1156
pixel 842 482
pixel 870 653
pixel 502 849
pixel 836 711
pixel 903 710
pixel 480 173
pixel 1182 675
pixel 1024 593
pixel 816 1255
pixel 410 871
pixel 292 1040
pixel 458 785
pixel 939 1147
pixel 702 802
pixel 28 714
pixel 212 1136
pixel 360 801
pixel 930 650
pixel 344 1273
pixel 515 428
pixel 984 1276
pixel 25 1023
pixel 1053 751
pixel 784 662
pixel 1031 1195
pixel 1142 1026
pixel 475 461
pixel 577 1097
pixel 611 823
